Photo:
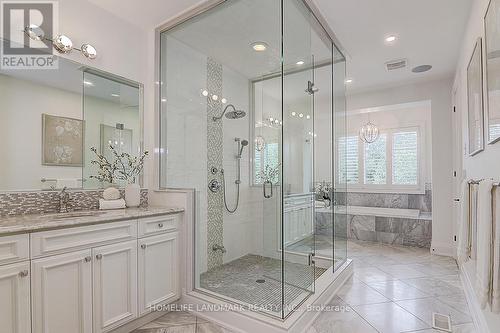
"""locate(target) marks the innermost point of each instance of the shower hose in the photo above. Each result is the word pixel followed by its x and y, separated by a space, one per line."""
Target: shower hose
pixel 237 194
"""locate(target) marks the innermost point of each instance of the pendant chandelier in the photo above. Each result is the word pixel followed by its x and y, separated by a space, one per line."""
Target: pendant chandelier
pixel 369 132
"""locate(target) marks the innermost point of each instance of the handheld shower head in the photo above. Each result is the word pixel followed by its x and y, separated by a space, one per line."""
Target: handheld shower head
pixel 244 143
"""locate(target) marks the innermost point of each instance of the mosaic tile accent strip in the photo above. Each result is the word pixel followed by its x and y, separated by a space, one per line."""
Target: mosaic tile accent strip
pixel 215 222
pixel 40 202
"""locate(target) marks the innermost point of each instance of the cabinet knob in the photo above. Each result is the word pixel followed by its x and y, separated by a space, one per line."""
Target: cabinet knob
pixel 88 259
pixel 143 246
pixel 98 257
pixel 24 273
pixel 160 225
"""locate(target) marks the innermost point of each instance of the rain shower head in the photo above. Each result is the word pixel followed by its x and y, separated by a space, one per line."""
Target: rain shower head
pixel 235 114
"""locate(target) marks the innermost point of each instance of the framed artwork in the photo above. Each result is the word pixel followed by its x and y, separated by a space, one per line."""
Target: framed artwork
pixel 475 101
pixel 62 141
pixel 492 56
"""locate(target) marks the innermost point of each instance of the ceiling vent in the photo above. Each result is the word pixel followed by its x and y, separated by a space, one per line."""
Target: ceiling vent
pixel 396 64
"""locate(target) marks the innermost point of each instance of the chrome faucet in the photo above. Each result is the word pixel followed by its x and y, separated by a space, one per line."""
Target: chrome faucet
pixel 220 248
pixel 63 200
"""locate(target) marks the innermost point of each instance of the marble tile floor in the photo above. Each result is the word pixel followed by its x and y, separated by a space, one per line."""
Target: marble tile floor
pixel 396 289
pixel 181 322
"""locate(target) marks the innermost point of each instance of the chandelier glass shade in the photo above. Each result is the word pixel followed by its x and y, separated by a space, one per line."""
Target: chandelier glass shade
pixel 369 132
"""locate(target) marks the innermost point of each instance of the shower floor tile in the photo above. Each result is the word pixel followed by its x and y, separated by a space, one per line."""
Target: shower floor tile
pixel 256 280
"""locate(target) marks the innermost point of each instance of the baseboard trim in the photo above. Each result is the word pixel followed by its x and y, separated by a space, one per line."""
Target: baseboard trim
pixel 476 312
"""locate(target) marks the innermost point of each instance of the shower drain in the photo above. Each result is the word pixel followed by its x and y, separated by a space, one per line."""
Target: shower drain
pixel 260 281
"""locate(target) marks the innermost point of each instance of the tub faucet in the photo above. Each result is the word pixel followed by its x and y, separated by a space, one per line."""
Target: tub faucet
pixel 63 200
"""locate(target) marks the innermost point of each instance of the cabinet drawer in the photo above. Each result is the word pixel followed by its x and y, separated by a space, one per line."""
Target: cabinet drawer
pixel 158 224
pixel 14 248
pixel 71 239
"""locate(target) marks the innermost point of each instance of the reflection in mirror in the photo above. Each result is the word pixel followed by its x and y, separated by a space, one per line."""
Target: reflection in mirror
pixel 41 128
pixel 46 133
pixel 112 119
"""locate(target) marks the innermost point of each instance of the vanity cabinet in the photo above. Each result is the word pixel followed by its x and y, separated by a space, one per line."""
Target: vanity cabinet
pixel 115 285
pixel 15 298
pixel 62 293
pixel 88 279
pixel 158 283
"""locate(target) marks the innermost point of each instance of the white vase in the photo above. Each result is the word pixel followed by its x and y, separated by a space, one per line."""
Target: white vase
pixel 133 195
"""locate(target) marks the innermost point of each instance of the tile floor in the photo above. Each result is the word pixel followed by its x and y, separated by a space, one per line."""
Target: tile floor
pixel 394 289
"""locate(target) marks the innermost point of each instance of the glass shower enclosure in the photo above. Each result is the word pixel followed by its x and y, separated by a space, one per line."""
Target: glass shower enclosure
pixel 251 105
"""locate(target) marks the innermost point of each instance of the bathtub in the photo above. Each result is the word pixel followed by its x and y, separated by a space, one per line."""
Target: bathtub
pixel 374 211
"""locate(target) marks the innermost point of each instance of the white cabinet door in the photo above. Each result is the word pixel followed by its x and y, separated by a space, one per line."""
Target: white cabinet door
pixel 158 270
pixel 15 315
pixel 62 293
pixel 115 285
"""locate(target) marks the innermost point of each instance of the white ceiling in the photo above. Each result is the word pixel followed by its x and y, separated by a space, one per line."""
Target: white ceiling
pixel 429 32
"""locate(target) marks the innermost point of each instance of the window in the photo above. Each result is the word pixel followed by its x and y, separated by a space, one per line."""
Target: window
pixel 375 161
pixel 405 158
pixel 348 160
pixel 266 163
pixel 388 164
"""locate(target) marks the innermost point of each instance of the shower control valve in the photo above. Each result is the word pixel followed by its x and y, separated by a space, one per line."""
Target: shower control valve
pixel 214 186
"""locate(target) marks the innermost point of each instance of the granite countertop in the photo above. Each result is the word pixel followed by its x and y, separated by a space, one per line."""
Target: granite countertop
pixel 41 222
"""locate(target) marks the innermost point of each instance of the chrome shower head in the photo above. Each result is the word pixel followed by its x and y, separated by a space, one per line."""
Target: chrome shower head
pixel 243 144
pixel 235 114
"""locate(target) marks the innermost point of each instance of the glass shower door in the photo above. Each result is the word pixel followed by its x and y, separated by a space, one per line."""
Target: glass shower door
pixel 298 156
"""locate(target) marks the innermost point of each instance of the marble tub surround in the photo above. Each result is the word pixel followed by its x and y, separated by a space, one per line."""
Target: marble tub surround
pixel 422 202
pixel 42 202
pixel 38 222
pixel 389 230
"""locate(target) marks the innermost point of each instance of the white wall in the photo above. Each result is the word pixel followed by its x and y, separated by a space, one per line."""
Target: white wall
pixel 485 164
pixel 439 93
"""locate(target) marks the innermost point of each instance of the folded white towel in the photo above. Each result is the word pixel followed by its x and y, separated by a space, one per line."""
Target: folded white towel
pixel 495 293
pixel 68 183
pixel 111 204
pixel 464 224
pixel 484 237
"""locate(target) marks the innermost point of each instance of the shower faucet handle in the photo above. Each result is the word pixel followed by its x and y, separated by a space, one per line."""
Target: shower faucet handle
pixel 214 186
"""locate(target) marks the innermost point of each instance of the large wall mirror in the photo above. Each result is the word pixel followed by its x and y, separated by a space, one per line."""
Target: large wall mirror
pixel 50 118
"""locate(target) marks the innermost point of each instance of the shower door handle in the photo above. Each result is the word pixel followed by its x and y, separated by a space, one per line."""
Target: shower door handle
pixel 267 196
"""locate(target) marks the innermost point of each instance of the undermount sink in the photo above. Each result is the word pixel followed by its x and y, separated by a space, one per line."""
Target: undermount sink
pixel 73 215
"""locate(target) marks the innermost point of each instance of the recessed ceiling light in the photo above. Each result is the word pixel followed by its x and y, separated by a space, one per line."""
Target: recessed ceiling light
pixel 301 115
pixel 348 80
pixel 301 62
pixel 115 95
pixel 390 39
pixel 308 117
pixel 294 113
pixel 259 46
pixel 421 68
